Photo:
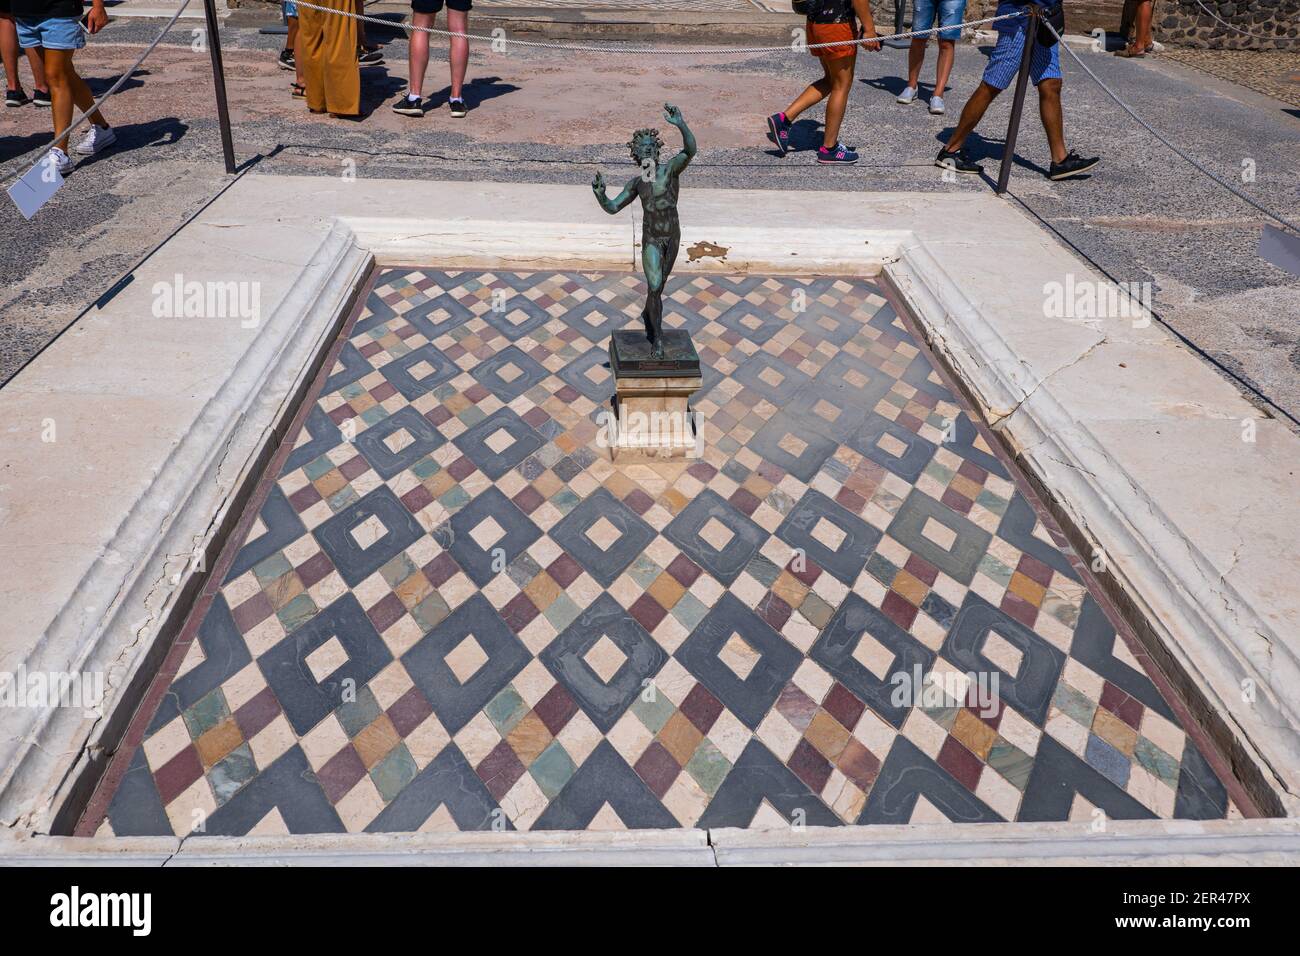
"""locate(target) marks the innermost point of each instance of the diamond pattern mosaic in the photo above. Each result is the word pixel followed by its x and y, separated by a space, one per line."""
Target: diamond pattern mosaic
pixel 453 611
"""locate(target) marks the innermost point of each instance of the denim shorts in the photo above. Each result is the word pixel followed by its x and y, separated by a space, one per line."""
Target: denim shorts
pixel 290 8
pixel 53 33
pixel 1004 64
pixel 949 14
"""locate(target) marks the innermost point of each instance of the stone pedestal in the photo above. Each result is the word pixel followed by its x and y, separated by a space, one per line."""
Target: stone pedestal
pixel 653 420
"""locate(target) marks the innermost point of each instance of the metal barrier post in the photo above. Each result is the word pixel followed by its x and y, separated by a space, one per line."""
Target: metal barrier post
pixel 900 8
pixel 1018 104
pixel 219 82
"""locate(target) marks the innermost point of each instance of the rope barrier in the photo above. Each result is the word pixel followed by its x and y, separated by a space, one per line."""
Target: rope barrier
pixel 654 51
pixel 1244 197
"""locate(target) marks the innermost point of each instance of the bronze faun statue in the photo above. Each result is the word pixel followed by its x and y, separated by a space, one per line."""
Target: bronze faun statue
pixel 657 185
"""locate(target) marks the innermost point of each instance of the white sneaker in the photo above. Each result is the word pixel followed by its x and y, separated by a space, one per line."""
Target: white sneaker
pixel 908 95
pixel 99 138
pixel 936 105
pixel 60 160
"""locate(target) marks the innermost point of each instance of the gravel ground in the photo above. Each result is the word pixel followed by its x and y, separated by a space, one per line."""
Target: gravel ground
pixel 536 116
pixel 1274 73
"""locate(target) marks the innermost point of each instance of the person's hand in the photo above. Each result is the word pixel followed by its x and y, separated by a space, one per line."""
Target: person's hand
pixel 672 114
pixel 598 184
pixel 97 18
pixel 865 33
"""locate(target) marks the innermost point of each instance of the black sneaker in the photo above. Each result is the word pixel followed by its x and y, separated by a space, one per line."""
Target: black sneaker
pixel 840 155
pixel 370 57
pixel 286 60
pixel 408 106
pixel 16 98
pixel 958 162
pixel 778 131
pixel 1072 165
pixel 41 98
pixel 457 107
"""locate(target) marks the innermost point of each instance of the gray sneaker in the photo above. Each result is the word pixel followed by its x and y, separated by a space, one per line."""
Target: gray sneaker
pixel 908 95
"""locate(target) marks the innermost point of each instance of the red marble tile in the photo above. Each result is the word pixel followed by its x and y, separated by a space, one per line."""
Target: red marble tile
pixel 556 708
pixel 173 777
pixel 657 768
pixel 810 766
pixel 500 769
pixel 961 763
pixel 841 704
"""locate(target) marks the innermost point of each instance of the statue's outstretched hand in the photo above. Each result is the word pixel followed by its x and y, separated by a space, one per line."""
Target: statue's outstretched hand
pixel 672 114
pixel 598 184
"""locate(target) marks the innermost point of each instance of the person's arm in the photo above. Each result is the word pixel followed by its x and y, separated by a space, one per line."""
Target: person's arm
pixel 683 159
pixel 866 24
pixel 619 202
pixel 97 18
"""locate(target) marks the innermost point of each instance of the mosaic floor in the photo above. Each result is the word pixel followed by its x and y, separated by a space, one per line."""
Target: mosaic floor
pixel 453 611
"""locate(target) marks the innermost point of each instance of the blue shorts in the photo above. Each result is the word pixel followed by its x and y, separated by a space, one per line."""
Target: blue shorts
pixel 949 14
pixel 290 8
pixel 53 33
pixel 1004 64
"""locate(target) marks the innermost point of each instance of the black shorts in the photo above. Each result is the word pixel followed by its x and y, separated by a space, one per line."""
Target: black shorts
pixel 433 6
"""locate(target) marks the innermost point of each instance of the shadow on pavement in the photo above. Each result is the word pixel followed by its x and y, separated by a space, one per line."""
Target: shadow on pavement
pixel 131 136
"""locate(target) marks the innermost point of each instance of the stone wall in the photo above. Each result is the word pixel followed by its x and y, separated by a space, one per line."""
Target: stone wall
pixel 1271 24
pixel 1081 16
pixel 1177 22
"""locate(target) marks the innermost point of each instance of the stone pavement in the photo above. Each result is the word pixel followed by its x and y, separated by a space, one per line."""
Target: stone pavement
pixel 451 611
pixel 1275 73
pixel 1143 217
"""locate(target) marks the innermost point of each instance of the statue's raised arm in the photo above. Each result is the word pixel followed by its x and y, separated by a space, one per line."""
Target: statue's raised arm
pixel 683 159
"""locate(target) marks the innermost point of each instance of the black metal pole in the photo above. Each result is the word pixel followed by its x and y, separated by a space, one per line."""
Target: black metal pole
pixel 1018 104
pixel 219 82
pixel 900 7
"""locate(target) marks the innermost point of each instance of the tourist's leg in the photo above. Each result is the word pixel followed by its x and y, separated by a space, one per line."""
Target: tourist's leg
pixel 971 114
pixel 942 70
pixel 840 71
pixel 916 57
pixel 418 57
pixel 458 22
pixel 815 92
pixel 1049 107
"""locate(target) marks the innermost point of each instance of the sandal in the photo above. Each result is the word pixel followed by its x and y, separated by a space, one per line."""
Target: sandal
pixel 1131 53
pixel 299 90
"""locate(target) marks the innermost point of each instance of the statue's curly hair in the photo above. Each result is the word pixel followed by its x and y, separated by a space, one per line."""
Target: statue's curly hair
pixel 642 137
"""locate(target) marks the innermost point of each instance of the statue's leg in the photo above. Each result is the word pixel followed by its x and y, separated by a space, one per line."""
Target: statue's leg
pixel 652 260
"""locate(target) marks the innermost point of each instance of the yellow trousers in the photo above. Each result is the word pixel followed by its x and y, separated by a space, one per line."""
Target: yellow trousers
pixel 327 49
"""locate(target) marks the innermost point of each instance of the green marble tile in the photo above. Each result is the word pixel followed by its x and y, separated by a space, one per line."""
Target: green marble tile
pixel 394 772
pixel 708 767
pixel 653 713
pixel 506 709
pixel 552 769
pixel 236 769
pixel 1074 704
pixel 1156 762
pixel 1011 762
pixel 206 713
pixel 297 612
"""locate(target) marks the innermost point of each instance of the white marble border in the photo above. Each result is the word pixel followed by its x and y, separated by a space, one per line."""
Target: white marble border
pixel 1216 843
pixel 170 422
